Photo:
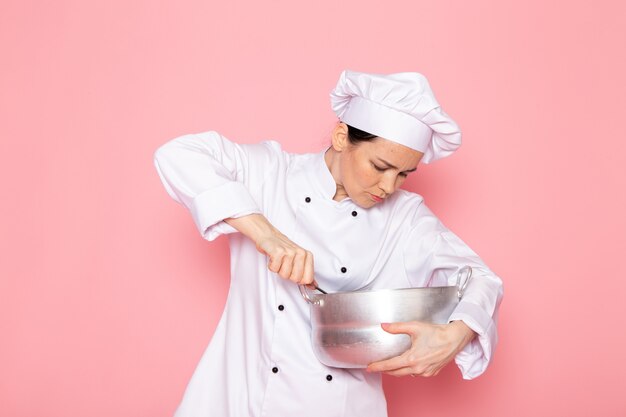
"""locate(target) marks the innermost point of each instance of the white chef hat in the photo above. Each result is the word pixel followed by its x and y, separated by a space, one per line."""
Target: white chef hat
pixel 399 107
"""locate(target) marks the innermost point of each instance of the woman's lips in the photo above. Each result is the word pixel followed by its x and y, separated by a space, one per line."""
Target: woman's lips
pixel 376 198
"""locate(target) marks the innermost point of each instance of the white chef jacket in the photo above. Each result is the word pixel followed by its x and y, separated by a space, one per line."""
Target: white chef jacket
pixel 260 361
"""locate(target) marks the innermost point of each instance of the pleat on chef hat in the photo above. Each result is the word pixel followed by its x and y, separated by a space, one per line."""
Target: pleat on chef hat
pixel 399 107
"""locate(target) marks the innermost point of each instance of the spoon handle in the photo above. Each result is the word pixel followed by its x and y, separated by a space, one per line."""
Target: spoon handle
pixel 321 290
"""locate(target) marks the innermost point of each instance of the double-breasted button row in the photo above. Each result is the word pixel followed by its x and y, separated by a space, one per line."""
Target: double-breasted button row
pixel 354 212
pixel 343 268
pixel 329 377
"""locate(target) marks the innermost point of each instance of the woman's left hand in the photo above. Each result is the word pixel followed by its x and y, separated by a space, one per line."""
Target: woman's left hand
pixel 432 347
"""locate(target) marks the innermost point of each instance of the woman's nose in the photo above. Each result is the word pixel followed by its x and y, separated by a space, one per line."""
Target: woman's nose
pixel 387 184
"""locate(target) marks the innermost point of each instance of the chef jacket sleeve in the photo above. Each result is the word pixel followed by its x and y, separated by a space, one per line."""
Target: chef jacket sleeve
pixel 435 252
pixel 215 178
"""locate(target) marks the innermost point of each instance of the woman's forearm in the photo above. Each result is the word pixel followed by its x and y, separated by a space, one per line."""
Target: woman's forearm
pixel 254 226
pixel 463 332
pixel 286 258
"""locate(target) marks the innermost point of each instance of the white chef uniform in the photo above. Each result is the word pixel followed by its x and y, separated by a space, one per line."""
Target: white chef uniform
pixel 260 361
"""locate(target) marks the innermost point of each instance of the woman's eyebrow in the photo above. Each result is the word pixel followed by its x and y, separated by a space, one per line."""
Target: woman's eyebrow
pixel 393 166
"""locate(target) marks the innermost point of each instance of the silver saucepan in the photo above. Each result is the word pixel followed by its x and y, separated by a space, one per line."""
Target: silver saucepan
pixel 346 330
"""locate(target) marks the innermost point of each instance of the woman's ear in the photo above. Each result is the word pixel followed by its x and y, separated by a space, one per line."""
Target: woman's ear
pixel 339 137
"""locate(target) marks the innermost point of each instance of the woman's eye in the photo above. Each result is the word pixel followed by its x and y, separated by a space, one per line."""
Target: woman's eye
pixel 381 169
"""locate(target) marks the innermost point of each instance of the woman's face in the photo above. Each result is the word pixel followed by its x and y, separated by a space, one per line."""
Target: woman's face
pixel 371 171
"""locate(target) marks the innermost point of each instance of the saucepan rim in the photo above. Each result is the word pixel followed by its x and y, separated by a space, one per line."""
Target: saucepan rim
pixel 304 290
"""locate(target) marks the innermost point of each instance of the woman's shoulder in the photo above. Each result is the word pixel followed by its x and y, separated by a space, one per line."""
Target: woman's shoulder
pixel 405 201
pixel 261 151
pixel 412 208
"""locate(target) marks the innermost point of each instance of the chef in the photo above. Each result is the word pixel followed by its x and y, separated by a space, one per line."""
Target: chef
pixel 337 219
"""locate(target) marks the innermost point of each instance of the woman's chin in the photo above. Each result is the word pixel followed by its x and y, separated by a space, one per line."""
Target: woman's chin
pixel 365 202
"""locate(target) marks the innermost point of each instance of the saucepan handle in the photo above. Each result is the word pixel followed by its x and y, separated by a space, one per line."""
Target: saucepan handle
pixel 464 275
pixel 305 294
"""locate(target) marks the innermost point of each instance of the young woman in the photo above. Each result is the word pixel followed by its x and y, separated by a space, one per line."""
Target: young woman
pixel 336 219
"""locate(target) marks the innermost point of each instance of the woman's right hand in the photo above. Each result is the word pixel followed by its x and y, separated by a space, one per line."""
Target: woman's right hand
pixel 287 259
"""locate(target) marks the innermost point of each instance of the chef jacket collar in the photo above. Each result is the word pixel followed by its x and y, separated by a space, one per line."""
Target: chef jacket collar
pixel 322 178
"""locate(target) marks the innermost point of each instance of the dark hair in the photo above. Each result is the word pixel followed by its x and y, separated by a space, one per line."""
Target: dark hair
pixel 357 136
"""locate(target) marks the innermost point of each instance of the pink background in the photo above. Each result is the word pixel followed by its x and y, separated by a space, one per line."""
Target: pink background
pixel 108 295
